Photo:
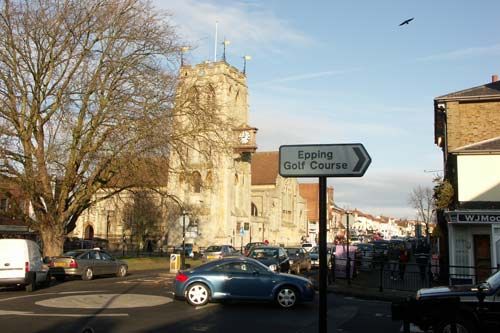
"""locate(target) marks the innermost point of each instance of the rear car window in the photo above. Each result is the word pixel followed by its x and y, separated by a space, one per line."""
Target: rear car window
pixel 214 249
pixel 264 253
pixel 73 253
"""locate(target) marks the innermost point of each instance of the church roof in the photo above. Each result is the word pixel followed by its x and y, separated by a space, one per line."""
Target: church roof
pixel 265 168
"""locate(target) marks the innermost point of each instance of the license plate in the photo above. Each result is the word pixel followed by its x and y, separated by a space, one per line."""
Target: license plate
pixel 59 264
pixel 212 257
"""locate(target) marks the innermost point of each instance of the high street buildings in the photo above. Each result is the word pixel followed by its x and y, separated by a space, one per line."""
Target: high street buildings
pixel 467 128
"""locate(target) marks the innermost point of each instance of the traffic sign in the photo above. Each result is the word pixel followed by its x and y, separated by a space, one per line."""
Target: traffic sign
pixel 332 160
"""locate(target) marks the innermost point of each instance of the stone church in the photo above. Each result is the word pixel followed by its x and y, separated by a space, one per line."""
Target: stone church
pixel 222 196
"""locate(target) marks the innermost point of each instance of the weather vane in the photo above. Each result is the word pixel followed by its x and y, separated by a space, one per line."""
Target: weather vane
pixel 224 44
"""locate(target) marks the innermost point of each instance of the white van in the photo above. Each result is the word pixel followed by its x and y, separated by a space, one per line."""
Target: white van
pixel 21 264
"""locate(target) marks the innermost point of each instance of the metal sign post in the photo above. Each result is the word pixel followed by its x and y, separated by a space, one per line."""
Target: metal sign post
pixel 322 161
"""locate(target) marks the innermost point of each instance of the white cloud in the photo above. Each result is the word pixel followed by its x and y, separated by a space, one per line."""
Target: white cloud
pixel 463 53
pixel 248 27
pixel 381 192
pixel 291 126
pixel 308 76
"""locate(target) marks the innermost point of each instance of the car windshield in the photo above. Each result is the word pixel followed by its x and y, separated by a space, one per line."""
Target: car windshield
pixel 494 280
pixel 293 251
pixel 214 249
pixel 306 245
pixel 264 253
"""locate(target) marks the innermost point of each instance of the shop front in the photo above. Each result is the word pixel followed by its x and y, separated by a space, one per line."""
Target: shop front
pixel 474 243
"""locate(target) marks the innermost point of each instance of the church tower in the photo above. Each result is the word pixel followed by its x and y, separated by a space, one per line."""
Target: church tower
pixel 217 186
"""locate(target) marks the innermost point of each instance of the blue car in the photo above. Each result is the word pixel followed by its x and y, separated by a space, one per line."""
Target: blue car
pixel 241 278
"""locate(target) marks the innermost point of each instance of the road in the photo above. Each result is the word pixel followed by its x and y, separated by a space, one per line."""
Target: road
pixel 142 302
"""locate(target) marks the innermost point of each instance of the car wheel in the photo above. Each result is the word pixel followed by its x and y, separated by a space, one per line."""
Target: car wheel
pixel 463 326
pixel 32 285
pixel 198 294
pixel 48 279
pixel 88 274
pixel 122 271
pixel 60 278
pixel 286 297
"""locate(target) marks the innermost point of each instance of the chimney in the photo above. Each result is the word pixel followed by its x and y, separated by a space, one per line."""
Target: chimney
pixel 494 78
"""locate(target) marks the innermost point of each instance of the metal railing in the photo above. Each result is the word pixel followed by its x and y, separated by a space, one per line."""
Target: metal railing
pixel 409 276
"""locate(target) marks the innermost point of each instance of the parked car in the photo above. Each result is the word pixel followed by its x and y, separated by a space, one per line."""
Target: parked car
pixel 249 246
pixel 314 254
pixel 274 257
pixel 86 264
pixel 215 252
pixel 188 249
pixel 380 250
pixel 307 246
pixel 21 264
pixel 366 255
pixel 299 259
pixel 472 308
pixel 241 278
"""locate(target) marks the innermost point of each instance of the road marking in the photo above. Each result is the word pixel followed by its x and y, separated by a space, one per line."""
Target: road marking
pixel 32 314
pixel 46 294
pixel 105 301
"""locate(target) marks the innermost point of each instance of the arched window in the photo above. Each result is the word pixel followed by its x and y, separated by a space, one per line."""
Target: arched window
pixel 89 232
pixel 254 210
pixel 209 178
pixel 196 182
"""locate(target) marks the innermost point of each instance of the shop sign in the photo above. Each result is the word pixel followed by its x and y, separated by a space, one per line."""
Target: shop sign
pixel 473 217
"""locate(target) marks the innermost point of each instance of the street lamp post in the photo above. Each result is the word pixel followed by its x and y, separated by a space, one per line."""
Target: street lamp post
pixel 183 256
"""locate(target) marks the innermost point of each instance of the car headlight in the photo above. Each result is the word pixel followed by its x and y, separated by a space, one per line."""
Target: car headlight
pixel 273 267
pixel 291 261
pixel 418 295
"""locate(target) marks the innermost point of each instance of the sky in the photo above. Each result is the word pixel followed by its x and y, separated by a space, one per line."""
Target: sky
pixel 328 72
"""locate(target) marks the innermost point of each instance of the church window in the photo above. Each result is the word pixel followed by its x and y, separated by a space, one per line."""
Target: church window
pixel 89 232
pixel 209 179
pixel 255 211
pixel 196 182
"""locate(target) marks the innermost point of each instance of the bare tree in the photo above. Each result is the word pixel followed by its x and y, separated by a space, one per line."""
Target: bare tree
pixel 142 217
pixel 422 199
pixel 87 89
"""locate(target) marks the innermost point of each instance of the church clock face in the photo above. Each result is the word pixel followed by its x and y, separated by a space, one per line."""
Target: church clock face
pixel 244 137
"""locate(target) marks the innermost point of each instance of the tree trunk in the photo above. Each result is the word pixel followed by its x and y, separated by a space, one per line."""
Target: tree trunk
pixel 53 241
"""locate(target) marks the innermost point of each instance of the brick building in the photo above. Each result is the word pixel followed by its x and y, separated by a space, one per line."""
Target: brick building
pixel 467 128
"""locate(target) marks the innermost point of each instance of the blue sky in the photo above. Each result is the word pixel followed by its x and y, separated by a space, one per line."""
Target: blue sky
pixel 344 71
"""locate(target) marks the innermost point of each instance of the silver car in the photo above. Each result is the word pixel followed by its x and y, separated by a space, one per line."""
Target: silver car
pixel 87 264
pixel 215 252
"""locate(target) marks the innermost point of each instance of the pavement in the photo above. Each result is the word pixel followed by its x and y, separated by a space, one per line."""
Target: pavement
pixel 342 287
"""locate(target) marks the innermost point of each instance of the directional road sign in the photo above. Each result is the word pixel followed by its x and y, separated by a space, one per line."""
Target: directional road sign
pixel 334 160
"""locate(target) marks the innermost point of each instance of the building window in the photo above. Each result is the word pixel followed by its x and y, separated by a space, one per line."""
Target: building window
pixel 196 182
pixel 255 211
pixel 4 204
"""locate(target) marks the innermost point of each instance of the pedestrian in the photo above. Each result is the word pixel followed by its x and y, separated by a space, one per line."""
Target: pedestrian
pixel 403 261
pixel 393 258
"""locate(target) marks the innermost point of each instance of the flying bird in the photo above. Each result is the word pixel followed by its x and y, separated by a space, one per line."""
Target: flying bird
pixel 406 22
